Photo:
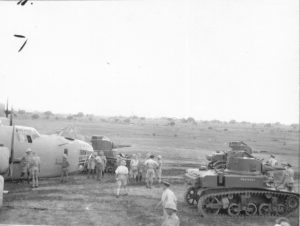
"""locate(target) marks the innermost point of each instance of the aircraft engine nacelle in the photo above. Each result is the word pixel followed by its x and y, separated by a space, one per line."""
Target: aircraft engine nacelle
pixel 4 159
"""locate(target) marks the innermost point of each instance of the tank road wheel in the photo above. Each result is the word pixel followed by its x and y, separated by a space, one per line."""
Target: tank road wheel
pixel 292 202
pixel 264 209
pixel 281 210
pixel 209 206
pixel 251 209
pixel 191 196
pixel 233 209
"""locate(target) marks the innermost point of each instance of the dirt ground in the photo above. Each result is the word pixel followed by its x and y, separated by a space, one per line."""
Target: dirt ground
pixel 84 201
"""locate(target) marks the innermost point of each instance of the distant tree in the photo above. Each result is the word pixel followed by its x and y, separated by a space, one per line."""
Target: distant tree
pixel 48 113
pixel 294 126
pixel 70 117
pixel 79 115
pixel 142 118
pixel 191 120
pixel 127 120
pixel 183 120
pixel 21 112
pixel 267 125
pixel 232 121
pixel 215 121
pixel 35 116
pixel 172 123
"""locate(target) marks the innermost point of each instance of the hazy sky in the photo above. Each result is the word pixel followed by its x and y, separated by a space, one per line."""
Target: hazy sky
pixel 209 59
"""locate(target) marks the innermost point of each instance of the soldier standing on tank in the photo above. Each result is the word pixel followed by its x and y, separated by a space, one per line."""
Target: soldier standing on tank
pixel 288 178
pixel 272 162
pixel 150 173
pixel 25 165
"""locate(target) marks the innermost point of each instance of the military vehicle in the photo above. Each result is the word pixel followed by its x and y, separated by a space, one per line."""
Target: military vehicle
pixel 217 159
pixel 102 143
pixel 242 189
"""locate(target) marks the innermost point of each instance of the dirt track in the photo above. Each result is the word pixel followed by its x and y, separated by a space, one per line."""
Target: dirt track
pixel 87 202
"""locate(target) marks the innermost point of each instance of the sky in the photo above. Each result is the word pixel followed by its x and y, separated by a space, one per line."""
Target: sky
pixel 208 59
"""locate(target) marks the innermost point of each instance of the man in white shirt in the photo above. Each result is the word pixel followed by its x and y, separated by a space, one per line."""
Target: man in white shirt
pixel 122 177
pixel 172 218
pixel 168 197
pixel 151 165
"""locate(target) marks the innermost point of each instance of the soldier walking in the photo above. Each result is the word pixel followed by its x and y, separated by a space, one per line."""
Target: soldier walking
pixel 150 173
pixel 122 178
pixel 167 198
pixel 35 168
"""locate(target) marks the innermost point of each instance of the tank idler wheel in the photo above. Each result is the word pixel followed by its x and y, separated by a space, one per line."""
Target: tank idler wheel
pixel 251 209
pixel 210 207
pixel 191 196
pixel 233 209
pixel 281 210
pixel 264 209
pixel 292 202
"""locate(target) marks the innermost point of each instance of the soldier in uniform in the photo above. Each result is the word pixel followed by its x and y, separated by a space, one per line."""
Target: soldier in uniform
pixel 64 169
pixel 151 165
pixel 159 168
pixel 122 178
pixel 104 162
pixel 25 165
pixel 167 197
pixel 134 163
pixel 288 178
pixel 99 166
pixel 91 164
pixel 272 162
pixel 35 167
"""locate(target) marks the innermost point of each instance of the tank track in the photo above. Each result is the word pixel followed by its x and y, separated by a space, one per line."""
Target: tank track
pixel 247 202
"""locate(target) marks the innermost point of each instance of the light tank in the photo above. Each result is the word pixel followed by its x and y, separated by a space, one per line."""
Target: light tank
pixel 242 189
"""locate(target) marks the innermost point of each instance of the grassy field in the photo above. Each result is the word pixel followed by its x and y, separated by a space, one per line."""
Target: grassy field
pixel 86 202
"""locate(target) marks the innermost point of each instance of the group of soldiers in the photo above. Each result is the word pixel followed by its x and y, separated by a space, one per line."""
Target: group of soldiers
pixel 31 166
pixel 96 164
pixel 153 168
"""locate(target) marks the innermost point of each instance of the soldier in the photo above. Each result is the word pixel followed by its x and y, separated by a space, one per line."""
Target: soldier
pixel 272 162
pixel 99 166
pixel 122 178
pixel 91 164
pixel 25 165
pixel 167 197
pixel 288 178
pixel 150 173
pixel 134 168
pixel 64 169
pixel 159 168
pixel 172 218
pixel 35 168
pixel 104 161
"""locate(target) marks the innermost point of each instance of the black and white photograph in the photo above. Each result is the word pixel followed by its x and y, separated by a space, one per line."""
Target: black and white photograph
pixel 149 113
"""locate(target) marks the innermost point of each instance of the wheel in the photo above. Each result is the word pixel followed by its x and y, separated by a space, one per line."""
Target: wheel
pixel 264 209
pixel 209 206
pixel 281 210
pixel 292 202
pixel 191 196
pixel 233 209
pixel 251 209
